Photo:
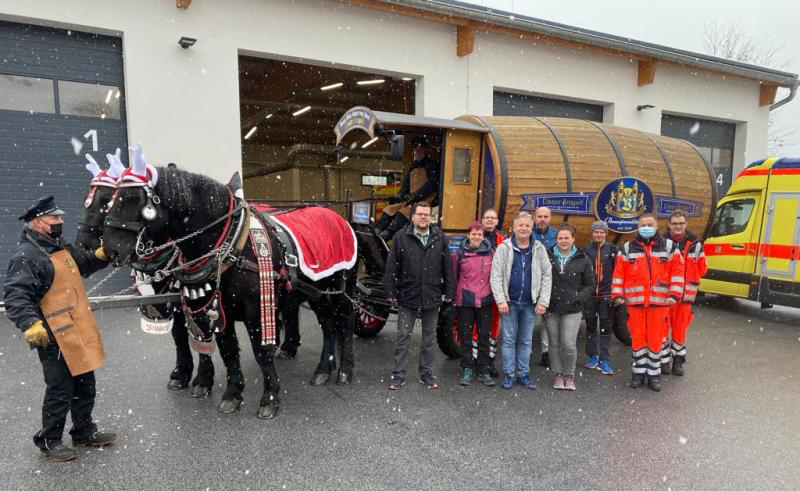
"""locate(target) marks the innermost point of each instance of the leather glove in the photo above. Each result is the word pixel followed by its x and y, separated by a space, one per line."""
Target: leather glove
pixel 37 335
pixel 100 254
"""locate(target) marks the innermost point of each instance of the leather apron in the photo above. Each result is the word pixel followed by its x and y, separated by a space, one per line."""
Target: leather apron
pixel 416 179
pixel 67 312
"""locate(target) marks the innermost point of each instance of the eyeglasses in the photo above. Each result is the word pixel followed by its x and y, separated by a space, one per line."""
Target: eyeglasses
pixel 422 214
pixel 490 218
pixel 677 224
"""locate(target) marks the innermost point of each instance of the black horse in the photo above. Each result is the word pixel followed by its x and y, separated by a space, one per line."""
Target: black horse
pixel 90 233
pixel 202 214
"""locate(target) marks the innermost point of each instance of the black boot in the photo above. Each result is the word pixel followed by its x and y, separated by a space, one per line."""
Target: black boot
pixel 397 224
pixel 637 380
pixel 677 365
pixel 96 439
pixel 654 382
pixel 59 453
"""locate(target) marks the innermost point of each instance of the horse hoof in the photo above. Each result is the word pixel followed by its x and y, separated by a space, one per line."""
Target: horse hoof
pixel 229 406
pixel 200 391
pixel 268 412
pixel 345 378
pixel 177 384
pixel 320 378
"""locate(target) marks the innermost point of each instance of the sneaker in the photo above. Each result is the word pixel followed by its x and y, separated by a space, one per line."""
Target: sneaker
pixel 605 368
pixel 59 453
pixel 526 382
pixel 486 379
pixel 637 379
pixel 508 382
pixel 428 380
pixel 569 382
pixel 466 376
pixel 96 439
pixel 559 383
pixel 545 362
pixel 592 364
pixel 396 383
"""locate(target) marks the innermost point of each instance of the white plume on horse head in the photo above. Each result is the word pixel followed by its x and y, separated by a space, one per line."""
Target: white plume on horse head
pixel 92 166
pixel 115 165
pixel 140 167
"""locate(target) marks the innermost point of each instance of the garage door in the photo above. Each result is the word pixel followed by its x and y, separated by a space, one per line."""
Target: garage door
pixel 510 104
pixel 59 90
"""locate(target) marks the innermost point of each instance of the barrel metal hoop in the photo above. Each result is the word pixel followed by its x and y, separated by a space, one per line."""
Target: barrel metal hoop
pixel 666 163
pixel 563 149
pixel 614 146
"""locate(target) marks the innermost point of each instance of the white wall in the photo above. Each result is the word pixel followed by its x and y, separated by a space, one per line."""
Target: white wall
pixel 183 105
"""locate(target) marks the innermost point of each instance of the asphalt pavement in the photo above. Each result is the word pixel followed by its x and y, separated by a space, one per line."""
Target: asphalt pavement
pixel 730 423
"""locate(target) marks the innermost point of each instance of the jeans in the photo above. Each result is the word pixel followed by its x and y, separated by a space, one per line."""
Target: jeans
pixel 481 318
pixel 598 310
pixel 406 318
pixel 563 332
pixel 516 331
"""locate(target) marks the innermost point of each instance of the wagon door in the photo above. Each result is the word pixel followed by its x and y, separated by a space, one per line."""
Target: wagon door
pixel 780 249
pixel 461 176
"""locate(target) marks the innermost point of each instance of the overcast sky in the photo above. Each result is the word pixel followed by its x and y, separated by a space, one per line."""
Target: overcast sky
pixel 679 24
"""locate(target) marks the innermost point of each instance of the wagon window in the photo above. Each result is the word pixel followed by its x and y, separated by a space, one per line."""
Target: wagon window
pixel 462 160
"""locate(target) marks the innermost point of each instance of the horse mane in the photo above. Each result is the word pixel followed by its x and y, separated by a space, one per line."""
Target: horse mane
pixel 187 194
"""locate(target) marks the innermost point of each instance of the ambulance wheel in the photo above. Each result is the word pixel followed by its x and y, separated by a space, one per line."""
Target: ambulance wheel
pixel 619 324
pixel 367 323
pixel 447 332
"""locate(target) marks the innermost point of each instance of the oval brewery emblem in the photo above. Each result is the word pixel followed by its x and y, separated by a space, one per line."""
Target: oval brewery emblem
pixel 622 201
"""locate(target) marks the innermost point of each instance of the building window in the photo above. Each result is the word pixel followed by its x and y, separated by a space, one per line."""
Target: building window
pixel 713 139
pixel 510 104
pixel 90 100
pixel 31 94
pixel 462 162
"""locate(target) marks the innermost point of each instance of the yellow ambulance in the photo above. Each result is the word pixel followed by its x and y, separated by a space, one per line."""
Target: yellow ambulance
pixel 753 243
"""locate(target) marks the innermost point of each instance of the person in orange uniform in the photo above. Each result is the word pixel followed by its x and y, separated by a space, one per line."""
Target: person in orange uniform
pixel 495 236
pixel 680 314
pixel 648 279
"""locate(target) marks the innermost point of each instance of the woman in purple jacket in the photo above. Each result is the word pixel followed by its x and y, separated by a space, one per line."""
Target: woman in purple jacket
pixel 472 264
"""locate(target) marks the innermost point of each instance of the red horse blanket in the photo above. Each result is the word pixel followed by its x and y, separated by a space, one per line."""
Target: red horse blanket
pixel 325 241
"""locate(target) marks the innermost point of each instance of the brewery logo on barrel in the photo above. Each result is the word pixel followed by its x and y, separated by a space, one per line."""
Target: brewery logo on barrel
pixel 622 201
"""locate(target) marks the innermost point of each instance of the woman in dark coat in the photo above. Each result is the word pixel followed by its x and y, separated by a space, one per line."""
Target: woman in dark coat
pixel 573 279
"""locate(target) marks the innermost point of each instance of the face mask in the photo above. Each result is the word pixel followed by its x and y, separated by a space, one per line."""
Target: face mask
pixel 55 230
pixel 647 232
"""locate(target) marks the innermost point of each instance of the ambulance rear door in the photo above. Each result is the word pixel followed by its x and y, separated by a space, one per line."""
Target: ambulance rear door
pixel 731 246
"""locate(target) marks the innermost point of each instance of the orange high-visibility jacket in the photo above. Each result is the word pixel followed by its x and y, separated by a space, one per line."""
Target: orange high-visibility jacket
pixel 694 265
pixel 648 274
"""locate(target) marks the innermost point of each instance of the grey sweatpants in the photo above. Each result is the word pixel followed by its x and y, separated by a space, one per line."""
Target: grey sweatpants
pixel 406 319
pixel 562 329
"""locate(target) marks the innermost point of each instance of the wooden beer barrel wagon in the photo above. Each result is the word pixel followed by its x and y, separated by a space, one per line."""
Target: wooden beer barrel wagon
pixel 582 170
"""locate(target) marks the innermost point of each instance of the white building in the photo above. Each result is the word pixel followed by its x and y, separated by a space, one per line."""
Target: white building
pixel 116 67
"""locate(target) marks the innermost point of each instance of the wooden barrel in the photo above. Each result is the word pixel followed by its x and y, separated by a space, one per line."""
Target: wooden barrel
pixel 568 161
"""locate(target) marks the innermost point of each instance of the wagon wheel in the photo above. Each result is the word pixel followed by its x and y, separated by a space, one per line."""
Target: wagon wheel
pixel 619 324
pixel 368 321
pixel 447 332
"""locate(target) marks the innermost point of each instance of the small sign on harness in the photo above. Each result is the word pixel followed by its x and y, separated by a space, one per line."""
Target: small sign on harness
pixel 156 326
pixel 263 249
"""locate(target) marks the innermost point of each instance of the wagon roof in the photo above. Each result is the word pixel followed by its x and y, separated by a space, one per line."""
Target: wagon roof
pixel 365 119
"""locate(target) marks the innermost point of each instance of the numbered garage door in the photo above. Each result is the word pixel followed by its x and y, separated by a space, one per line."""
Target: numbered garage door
pixel 60 92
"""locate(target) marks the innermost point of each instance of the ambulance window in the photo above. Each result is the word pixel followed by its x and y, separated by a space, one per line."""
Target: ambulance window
pixel 732 217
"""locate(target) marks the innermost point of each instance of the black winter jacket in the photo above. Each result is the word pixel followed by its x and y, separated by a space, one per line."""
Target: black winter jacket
pixel 418 276
pixel 573 285
pixel 30 275
pixel 603 268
